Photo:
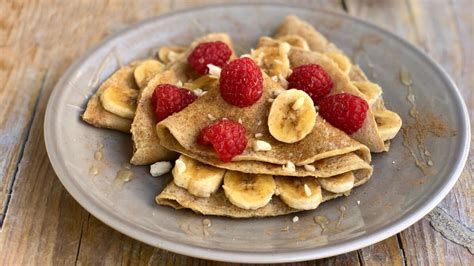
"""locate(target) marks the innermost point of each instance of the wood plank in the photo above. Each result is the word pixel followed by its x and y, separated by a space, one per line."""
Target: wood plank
pixel 386 252
pixel 447 40
pixel 43 223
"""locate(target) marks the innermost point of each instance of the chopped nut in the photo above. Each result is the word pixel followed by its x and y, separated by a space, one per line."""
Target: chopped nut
pixel 289 167
pixel 180 166
pixel 277 92
pixel 298 104
pixel 283 81
pixel 307 191
pixel 296 219
pixel 211 117
pixel 160 168
pixel 179 83
pixel 278 61
pixel 240 121
pixel 214 71
pixel 275 78
pixel 198 92
pixel 358 202
pixel 270 100
pixel 260 145
pixel 309 167
pixel 258 135
pixel 259 123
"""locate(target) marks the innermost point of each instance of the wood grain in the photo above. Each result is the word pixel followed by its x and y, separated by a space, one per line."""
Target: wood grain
pixel 44 225
pixel 447 40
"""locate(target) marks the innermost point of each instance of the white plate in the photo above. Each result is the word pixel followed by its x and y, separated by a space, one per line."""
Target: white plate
pixel 389 203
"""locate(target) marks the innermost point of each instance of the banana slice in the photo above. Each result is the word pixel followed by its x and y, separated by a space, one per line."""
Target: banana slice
pixel 198 179
pixel 302 193
pixel 295 41
pixel 273 60
pixel 248 191
pixel 292 116
pixel 120 101
pixel 388 123
pixel 146 71
pixel 341 60
pixel 338 184
pixel 370 90
pixel 169 54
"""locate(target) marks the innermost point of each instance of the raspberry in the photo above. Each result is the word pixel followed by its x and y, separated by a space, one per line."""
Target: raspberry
pixel 216 53
pixel 227 137
pixel 312 79
pixel 168 99
pixel 241 82
pixel 344 111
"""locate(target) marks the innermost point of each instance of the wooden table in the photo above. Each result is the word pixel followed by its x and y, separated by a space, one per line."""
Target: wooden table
pixel 42 224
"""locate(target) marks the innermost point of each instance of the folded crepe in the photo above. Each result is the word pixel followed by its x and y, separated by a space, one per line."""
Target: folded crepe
pixel 96 115
pixel 147 148
pixel 381 124
pixel 218 204
pixel 325 141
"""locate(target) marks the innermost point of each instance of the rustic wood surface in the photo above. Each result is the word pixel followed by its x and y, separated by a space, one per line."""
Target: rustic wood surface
pixel 42 224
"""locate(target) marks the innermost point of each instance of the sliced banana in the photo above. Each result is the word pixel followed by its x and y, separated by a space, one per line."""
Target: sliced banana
pixel 198 179
pixel 146 71
pixel 273 60
pixel 302 193
pixel 388 123
pixel 120 101
pixel 341 60
pixel 295 41
pixel 371 90
pixel 248 191
pixel 169 54
pixel 338 184
pixel 292 116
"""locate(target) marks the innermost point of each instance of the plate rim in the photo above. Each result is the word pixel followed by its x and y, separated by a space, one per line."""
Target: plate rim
pixel 358 242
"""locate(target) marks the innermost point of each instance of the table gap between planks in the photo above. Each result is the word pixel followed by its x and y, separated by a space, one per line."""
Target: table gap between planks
pixel 43 224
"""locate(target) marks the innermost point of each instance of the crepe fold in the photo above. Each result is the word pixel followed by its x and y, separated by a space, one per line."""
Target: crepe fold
pixel 147 148
pixel 218 204
pixel 324 142
pixel 379 119
pixel 96 115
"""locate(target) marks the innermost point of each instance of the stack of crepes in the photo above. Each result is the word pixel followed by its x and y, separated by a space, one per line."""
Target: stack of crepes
pixel 270 177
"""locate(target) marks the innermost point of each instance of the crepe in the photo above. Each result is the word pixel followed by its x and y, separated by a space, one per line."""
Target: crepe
pixel 147 148
pixel 218 204
pixel 323 142
pixel 96 115
pixel 381 124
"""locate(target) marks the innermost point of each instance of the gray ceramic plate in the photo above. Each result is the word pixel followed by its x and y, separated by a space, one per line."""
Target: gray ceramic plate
pixel 397 196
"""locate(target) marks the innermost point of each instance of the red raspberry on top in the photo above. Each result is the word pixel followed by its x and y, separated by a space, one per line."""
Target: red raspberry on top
pixel 344 111
pixel 227 137
pixel 241 82
pixel 312 79
pixel 168 99
pixel 216 53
